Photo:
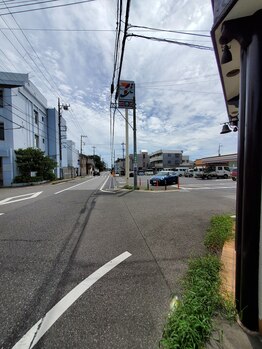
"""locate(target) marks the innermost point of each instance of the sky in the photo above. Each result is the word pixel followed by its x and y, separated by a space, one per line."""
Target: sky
pixel 68 52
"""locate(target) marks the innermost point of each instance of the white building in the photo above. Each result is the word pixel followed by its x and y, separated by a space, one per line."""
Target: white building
pixel 25 121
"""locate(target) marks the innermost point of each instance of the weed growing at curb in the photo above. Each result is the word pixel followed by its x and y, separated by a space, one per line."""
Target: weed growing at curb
pixel 189 324
pixel 219 232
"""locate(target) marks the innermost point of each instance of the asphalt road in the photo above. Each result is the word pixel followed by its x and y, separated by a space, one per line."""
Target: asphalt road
pixel 62 239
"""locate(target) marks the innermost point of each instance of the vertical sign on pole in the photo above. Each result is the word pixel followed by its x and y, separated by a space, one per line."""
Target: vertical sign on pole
pixel 126 100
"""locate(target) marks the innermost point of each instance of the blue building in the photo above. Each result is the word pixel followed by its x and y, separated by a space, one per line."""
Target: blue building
pixel 25 121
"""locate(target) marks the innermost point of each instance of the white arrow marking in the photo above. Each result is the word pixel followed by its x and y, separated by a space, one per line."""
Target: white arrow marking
pixel 20 198
pixel 42 326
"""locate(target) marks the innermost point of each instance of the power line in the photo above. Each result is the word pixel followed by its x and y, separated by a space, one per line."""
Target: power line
pixel 201 47
pixel 123 46
pixel 45 8
pixel 26 3
pixel 55 94
pixel 87 30
pixel 33 51
pixel 169 31
pixel 62 29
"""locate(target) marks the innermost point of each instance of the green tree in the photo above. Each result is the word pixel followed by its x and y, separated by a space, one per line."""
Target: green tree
pixel 99 164
pixel 34 160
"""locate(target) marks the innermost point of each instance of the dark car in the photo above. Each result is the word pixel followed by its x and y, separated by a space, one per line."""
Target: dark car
pixel 96 173
pixel 234 174
pixel 164 178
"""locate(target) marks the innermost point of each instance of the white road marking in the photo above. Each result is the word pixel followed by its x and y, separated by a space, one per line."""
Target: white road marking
pixel 1 214
pixel 42 326
pixel 20 198
pixel 108 190
pixel 58 192
pixel 205 188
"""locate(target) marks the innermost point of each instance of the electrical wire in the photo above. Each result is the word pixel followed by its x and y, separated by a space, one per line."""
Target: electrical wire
pixel 201 47
pixel 52 87
pixel 115 68
pixel 33 51
pixel 43 132
pixel 26 3
pixel 168 31
pixel 62 30
pixel 46 8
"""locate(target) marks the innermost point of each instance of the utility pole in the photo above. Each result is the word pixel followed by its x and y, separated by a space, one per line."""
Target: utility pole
pixel 123 149
pixel 94 150
pixel 127 150
pixel 60 108
pixel 60 138
pixel 219 149
pixel 81 151
pixel 135 149
pixel 123 153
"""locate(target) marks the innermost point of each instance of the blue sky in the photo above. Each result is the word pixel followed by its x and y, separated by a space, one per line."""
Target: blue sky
pixel 179 98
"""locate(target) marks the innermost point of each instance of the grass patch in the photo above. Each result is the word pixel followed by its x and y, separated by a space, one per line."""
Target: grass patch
pixel 218 233
pixel 130 187
pixel 189 324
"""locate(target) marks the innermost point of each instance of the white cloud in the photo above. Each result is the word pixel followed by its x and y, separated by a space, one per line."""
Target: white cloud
pixel 179 97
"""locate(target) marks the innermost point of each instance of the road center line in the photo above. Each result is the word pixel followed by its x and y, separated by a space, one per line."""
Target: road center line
pixel 58 192
pixel 29 340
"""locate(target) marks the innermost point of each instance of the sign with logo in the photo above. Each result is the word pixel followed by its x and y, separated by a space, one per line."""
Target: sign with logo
pixel 126 95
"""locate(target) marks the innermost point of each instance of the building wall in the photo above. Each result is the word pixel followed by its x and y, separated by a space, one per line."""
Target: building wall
pixel 25 125
pixel 228 159
pixel 6 145
pixel 53 137
pixel 165 159
pixel 143 160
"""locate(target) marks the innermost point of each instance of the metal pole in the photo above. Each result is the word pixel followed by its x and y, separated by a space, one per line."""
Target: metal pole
pixel 59 138
pixel 249 196
pixel 135 148
pixel 127 150
pixel 80 159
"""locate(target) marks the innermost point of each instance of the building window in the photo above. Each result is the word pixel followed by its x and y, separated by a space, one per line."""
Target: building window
pixel 1 99
pixel 2 131
pixel 43 140
pixel 36 116
pixel 43 119
pixel 36 141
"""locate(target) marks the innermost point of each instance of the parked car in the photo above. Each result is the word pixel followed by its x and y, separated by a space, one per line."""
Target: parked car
pixel 234 174
pixel 96 173
pixel 214 172
pixel 189 172
pixel 181 171
pixel 164 178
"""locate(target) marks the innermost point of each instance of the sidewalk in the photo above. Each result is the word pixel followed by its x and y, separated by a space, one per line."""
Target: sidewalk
pixel 227 335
